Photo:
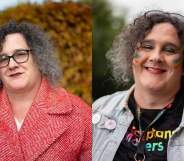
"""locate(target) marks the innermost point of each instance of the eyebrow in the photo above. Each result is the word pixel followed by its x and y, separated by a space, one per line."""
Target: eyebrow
pixel 165 43
pixel 174 45
pixel 147 40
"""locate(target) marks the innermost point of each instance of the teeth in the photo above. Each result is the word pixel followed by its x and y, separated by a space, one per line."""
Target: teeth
pixel 155 70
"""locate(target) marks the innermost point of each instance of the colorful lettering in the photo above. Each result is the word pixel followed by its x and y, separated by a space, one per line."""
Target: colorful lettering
pixel 150 134
pixel 155 146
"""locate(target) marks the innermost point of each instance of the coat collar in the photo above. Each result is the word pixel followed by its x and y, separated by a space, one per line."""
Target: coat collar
pixel 53 99
pixel 124 102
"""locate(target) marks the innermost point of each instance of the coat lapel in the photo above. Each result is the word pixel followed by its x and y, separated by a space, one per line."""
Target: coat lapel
pixel 9 139
pixel 48 118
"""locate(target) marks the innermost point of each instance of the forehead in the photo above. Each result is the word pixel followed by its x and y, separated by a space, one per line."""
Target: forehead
pixel 14 41
pixel 164 32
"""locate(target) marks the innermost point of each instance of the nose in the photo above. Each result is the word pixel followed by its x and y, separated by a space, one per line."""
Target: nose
pixel 156 56
pixel 12 63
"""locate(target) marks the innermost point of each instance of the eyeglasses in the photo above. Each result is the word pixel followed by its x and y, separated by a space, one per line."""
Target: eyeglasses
pixel 19 56
pixel 171 15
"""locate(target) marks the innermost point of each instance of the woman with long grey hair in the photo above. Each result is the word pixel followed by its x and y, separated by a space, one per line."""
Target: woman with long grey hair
pixel 38 119
pixel 144 123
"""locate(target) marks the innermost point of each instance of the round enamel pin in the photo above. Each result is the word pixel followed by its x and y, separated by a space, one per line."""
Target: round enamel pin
pixel 96 118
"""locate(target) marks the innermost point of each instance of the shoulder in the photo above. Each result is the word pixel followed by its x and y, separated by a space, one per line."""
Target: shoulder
pixel 72 101
pixel 77 102
pixel 109 101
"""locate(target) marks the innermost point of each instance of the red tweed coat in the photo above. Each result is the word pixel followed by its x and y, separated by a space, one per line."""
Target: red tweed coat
pixel 56 128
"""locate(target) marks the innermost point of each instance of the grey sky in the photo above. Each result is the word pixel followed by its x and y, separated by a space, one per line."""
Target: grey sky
pixel 136 6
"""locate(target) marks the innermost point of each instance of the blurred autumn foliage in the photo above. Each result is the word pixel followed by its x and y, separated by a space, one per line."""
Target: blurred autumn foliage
pixel 70 26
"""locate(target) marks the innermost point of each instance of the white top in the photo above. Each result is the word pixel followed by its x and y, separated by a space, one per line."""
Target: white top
pixel 18 123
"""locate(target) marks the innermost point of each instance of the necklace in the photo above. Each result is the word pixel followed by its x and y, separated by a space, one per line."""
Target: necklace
pixel 140 155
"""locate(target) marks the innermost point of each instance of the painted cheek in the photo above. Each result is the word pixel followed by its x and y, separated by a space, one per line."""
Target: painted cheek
pixel 177 62
pixel 136 58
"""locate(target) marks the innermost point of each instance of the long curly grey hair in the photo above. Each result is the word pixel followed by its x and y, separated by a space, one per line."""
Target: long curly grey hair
pixel 40 44
pixel 121 54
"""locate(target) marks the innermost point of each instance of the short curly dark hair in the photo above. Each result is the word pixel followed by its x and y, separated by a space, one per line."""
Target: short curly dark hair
pixel 40 44
pixel 121 53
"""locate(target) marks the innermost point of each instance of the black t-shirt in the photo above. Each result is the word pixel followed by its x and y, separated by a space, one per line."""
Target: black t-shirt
pixel 156 137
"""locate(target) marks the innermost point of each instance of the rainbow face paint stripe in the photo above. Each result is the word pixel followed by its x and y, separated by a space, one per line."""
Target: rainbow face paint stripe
pixel 136 58
pixel 177 62
pixel 136 55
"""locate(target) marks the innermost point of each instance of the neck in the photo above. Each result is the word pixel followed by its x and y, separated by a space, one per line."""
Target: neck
pixel 21 101
pixel 153 100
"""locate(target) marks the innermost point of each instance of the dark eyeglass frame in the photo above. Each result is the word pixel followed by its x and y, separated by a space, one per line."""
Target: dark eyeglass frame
pixel 14 58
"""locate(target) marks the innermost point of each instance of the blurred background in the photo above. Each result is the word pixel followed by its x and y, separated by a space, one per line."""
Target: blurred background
pixel 69 24
pixel 109 18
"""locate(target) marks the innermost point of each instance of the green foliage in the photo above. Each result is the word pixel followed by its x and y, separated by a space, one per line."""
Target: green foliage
pixel 70 26
pixel 105 27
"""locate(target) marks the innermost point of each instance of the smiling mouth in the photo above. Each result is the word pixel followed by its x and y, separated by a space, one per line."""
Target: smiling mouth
pixel 155 70
pixel 15 74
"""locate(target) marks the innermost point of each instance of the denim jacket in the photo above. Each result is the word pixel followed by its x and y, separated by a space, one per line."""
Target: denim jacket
pixel 111 119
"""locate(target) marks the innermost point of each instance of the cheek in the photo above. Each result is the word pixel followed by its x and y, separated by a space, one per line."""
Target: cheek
pixel 35 66
pixel 1 73
pixel 32 66
pixel 35 69
pixel 177 62
pixel 137 58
